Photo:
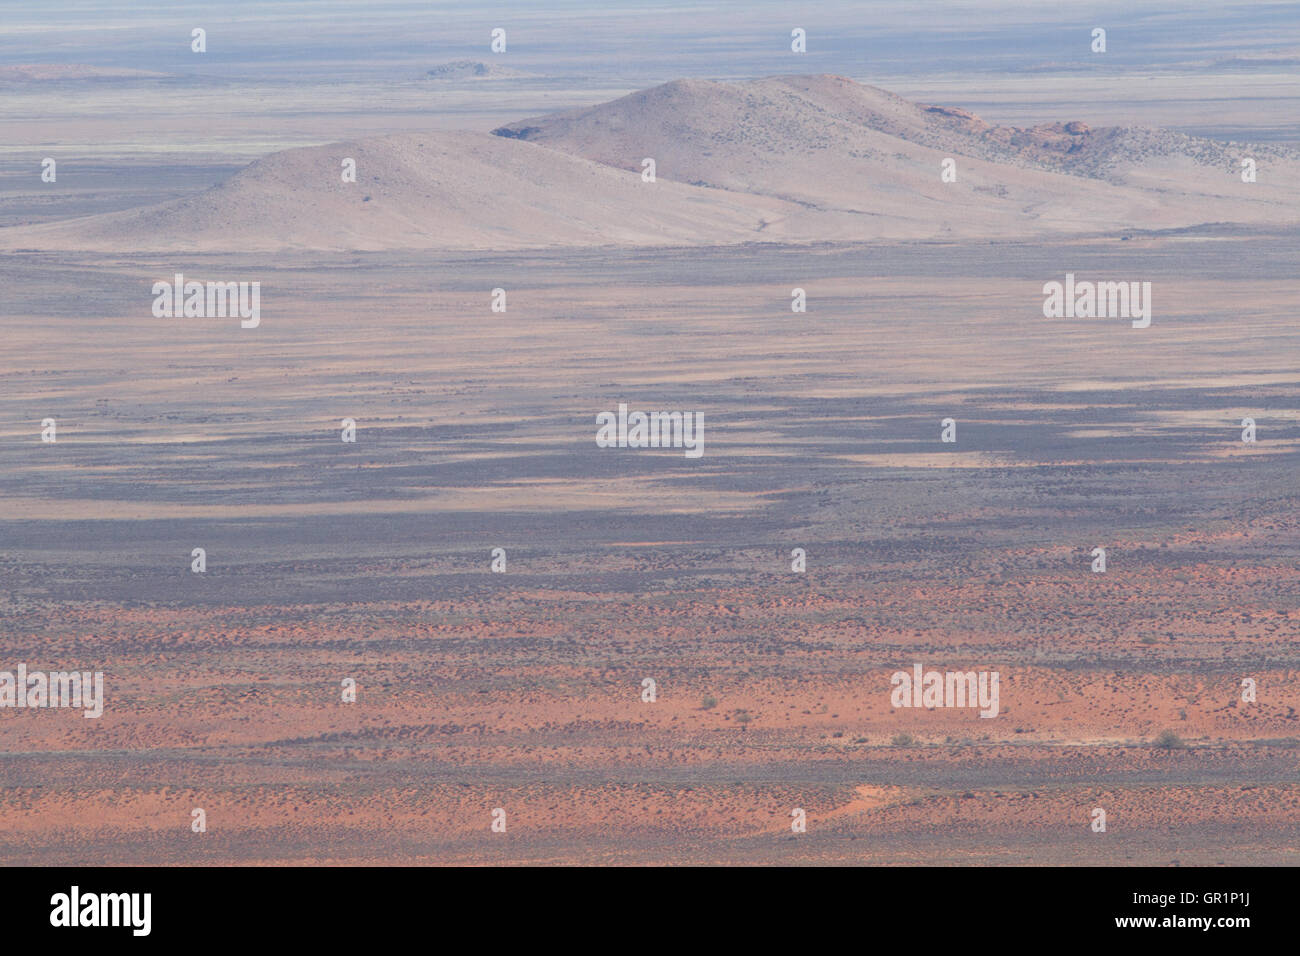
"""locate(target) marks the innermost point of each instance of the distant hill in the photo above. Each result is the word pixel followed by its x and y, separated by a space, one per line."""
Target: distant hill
pixel 822 139
pixel 784 159
pixel 47 72
pixel 473 70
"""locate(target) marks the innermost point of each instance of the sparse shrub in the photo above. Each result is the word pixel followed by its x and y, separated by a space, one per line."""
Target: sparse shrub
pixel 1168 740
pixel 709 702
pixel 903 740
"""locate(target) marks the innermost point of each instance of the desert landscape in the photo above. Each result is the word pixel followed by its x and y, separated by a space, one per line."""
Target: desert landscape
pixel 497 588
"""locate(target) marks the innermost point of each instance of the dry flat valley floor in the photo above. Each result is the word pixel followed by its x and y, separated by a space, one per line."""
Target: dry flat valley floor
pixel 521 690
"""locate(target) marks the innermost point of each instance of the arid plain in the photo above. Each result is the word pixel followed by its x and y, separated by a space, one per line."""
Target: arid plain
pixel 476 430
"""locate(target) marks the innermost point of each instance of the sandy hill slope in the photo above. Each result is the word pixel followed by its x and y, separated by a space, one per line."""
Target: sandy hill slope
pixel 786 159
pixel 449 190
